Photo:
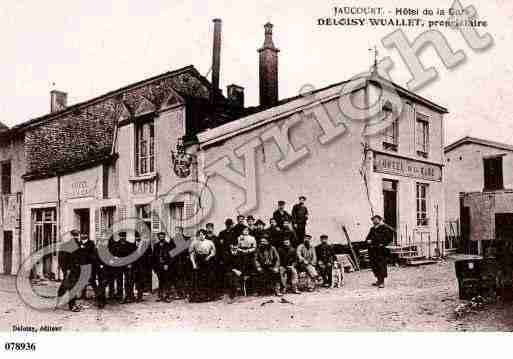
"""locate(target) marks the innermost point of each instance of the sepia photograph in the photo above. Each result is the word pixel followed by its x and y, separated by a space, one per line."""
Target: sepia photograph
pixel 255 167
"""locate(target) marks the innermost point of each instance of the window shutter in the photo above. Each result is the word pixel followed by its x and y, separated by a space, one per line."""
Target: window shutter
pixel 155 221
pixel 122 213
pixel 97 225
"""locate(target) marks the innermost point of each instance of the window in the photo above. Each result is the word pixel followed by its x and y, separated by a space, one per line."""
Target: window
pixel 391 136
pixel 493 178
pixel 422 135
pixel 44 222
pixel 107 219
pixel 6 177
pixel 176 215
pixel 421 196
pixel 144 215
pixel 145 148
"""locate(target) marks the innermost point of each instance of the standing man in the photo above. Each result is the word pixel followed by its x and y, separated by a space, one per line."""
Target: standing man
pixel 241 224
pixel 299 218
pixel 380 236
pixel 217 260
pixel 288 232
pixel 182 264
pixel 127 249
pixel 250 221
pixel 88 253
pixel 227 235
pixel 142 266
pixel 116 272
pixel 275 233
pixel 325 259
pixel 281 215
pixel 69 260
pixel 161 265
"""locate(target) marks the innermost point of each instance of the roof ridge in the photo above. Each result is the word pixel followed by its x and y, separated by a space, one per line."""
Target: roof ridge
pixel 108 94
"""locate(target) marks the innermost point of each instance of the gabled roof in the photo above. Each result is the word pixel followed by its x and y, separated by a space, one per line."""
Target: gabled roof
pixel 82 135
pixel 478 141
pixel 70 109
pixel 258 116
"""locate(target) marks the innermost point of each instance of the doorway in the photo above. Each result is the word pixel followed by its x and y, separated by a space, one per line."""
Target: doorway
pixel 82 219
pixel 7 252
pixel 390 202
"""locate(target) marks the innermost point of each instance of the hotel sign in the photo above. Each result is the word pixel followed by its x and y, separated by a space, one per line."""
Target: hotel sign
pixel 405 167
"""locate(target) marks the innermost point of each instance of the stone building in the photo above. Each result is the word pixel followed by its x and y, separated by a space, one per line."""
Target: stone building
pixel 348 168
pixel 122 155
pixel 12 166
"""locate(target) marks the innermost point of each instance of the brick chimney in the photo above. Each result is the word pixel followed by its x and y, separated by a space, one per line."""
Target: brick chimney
pixel 268 69
pixel 58 100
pixel 235 95
pixel 216 59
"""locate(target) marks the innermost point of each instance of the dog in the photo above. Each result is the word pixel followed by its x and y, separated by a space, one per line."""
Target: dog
pixel 337 275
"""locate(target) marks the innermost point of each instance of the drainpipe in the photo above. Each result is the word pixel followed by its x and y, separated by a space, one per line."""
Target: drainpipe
pixel 59 226
pixel 20 254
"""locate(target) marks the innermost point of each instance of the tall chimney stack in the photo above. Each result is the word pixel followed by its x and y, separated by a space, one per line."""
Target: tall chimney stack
pixel 216 59
pixel 58 100
pixel 268 69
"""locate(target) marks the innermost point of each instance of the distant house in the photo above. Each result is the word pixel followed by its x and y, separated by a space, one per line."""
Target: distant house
pixel 478 187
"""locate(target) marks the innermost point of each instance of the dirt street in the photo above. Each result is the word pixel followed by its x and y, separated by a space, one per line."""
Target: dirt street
pixel 415 299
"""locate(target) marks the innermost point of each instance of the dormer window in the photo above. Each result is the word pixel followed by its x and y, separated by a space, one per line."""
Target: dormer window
pixel 145 148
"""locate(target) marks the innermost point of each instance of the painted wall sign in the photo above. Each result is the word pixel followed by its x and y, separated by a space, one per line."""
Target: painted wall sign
pixel 81 188
pixel 405 167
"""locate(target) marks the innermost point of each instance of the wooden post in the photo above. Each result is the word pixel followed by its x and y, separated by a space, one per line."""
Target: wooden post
pixel 356 261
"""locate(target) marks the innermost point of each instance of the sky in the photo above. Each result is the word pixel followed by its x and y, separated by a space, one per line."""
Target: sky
pixel 88 48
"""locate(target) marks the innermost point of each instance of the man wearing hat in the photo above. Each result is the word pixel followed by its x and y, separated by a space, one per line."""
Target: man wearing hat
pixel 70 259
pixel 259 230
pixel 380 236
pixel 325 260
pixel 241 224
pixel 250 221
pixel 267 264
pixel 300 217
pixel 281 215
pixel 162 265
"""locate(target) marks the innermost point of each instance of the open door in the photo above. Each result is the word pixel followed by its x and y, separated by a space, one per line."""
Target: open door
pixel 7 252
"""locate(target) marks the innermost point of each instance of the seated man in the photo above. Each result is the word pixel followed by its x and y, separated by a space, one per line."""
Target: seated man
pixel 288 261
pixel 233 270
pixel 325 260
pixel 267 264
pixel 307 260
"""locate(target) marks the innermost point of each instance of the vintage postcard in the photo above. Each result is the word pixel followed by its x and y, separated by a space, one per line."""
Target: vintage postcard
pixel 299 166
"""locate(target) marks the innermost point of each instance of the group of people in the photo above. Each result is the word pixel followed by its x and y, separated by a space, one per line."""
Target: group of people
pixel 244 256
